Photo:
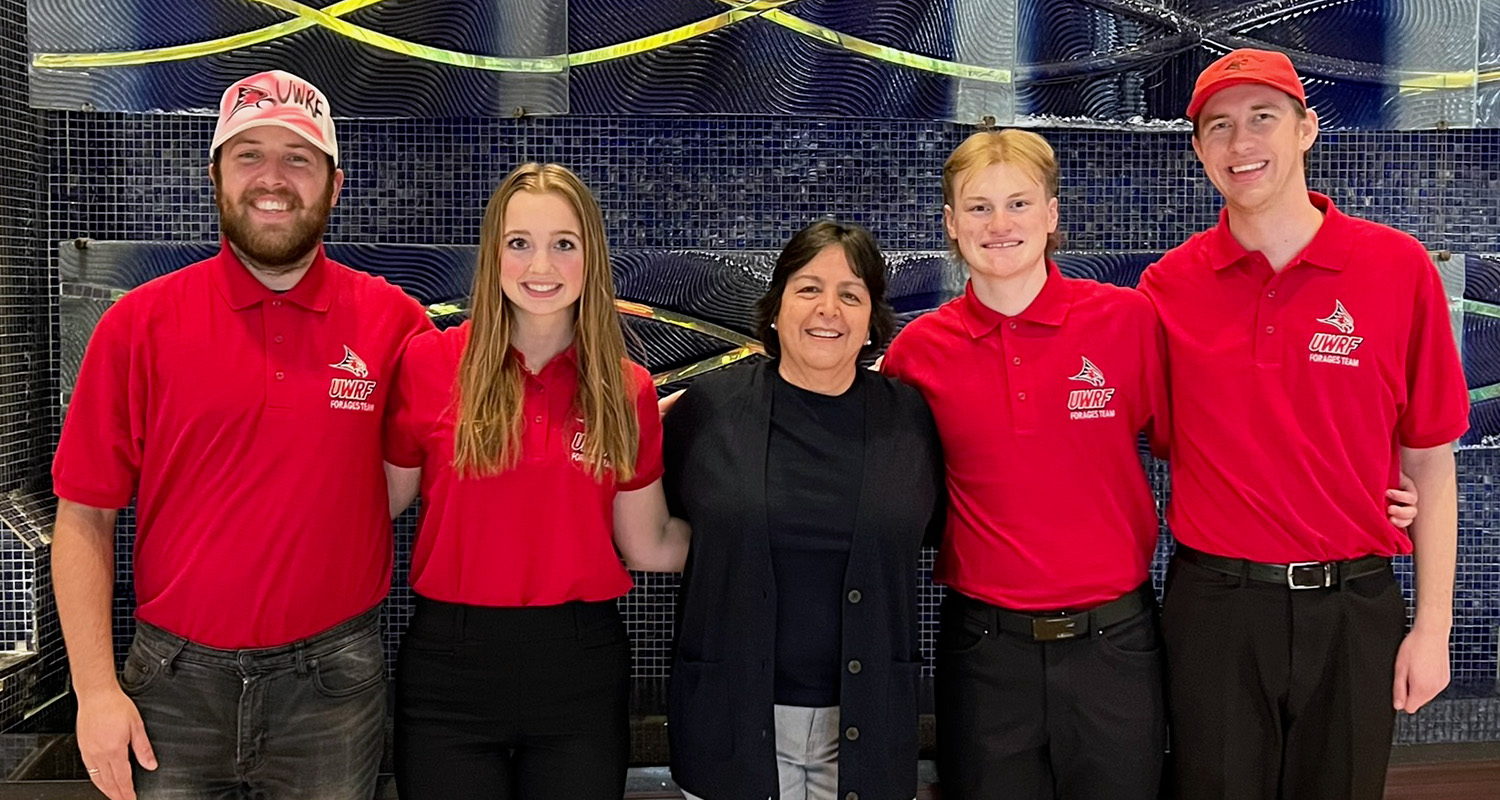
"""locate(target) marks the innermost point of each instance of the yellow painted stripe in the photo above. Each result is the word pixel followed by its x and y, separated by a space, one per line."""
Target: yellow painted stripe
pixel 683 321
pixel 541 64
pixel 888 54
pixel 706 365
pixel 305 16
pixel 1436 81
pixel 1481 308
pixel 195 49
pixel 644 44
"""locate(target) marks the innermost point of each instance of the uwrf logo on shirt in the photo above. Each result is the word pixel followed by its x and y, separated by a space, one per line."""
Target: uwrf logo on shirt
pixel 576 446
pixel 351 394
pixel 1335 348
pixel 1090 403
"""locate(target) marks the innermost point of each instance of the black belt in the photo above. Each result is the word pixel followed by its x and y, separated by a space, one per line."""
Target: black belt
pixel 1297 575
pixel 1053 625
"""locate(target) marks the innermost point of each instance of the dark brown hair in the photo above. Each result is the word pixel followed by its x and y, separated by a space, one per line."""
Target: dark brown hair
pixel 865 260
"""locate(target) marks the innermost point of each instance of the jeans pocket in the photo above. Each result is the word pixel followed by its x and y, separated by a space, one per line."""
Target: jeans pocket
pixel 351 669
pixel 142 670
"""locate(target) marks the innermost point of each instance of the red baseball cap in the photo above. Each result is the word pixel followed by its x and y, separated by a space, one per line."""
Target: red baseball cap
pixel 1266 67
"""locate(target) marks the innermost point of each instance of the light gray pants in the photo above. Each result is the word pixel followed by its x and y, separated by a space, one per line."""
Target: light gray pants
pixel 807 753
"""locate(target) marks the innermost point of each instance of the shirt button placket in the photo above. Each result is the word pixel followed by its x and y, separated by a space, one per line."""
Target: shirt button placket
pixel 278 386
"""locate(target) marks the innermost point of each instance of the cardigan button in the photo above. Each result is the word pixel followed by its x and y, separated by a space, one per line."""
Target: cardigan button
pixel 851 733
pixel 855 596
pixel 855 667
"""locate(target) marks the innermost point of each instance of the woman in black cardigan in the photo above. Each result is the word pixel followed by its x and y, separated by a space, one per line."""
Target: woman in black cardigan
pixel 810 485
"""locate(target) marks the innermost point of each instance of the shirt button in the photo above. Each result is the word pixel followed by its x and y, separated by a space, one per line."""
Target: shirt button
pixel 1013 326
pixel 855 667
pixel 280 375
pixel 278 338
pixel 1016 361
pixel 276 303
pixel 1271 293
pixel 538 420
pixel 1270 329
pixel 851 733
pixel 852 796
pixel 1021 395
pixel 855 596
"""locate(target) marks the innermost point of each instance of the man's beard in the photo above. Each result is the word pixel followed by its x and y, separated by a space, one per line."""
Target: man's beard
pixel 275 252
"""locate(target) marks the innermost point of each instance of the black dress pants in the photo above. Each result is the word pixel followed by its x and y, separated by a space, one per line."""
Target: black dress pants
pixel 1278 693
pixel 1071 719
pixel 500 703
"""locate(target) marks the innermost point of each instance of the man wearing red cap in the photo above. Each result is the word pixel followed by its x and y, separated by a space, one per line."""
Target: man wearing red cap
pixel 239 402
pixel 1311 357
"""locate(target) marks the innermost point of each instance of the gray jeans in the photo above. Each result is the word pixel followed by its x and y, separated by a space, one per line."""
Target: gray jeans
pixel 305 720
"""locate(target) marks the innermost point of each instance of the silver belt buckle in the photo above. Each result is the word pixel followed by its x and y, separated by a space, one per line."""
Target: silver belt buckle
pixel 1321 583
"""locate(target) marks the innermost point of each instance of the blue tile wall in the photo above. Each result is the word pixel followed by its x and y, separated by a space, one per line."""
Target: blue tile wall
pixel 746 183
pixel 27 376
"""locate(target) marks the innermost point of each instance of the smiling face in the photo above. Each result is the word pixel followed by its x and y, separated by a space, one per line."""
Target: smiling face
pixel 1000 219
pixel 825 316
pixel 541 255
pixel 275 192
pixel 1251 139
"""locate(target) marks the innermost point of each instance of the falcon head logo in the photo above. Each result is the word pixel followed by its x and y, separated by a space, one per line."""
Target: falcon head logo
pixel 249 97
pixel 352 364
pixel 1090 374
pixel 1340 318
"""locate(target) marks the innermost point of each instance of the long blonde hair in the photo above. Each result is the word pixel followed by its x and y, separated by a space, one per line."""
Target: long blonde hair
pixel 487 436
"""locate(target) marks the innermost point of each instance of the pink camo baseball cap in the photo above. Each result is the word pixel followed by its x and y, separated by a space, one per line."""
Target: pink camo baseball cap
pixel 281 99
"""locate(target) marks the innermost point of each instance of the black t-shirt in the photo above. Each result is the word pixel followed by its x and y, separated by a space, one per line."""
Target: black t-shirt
pixel 814 468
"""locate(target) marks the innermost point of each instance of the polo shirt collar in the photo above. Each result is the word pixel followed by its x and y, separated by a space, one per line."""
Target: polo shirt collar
pixel 567 360
pixel 1049 307
pixel 1329 248
pixel 241 290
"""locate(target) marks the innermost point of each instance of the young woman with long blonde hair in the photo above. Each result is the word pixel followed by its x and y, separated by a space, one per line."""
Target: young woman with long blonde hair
pixel 537 447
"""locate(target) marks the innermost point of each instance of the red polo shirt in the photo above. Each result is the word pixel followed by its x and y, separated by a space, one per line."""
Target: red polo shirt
pixel 1293 391
pixel 1039 416
pixel 247 426
pixel 540 533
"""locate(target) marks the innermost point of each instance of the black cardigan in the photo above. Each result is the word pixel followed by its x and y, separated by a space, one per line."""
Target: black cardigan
pixel 720 718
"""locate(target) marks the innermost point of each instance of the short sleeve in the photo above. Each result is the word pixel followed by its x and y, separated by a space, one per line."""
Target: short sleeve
pixel 1437 404
pixel 404 429
pixel 98 458
pixel 648 460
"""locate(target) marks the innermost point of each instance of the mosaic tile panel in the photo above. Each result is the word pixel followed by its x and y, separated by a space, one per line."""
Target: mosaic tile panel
pixel 738 184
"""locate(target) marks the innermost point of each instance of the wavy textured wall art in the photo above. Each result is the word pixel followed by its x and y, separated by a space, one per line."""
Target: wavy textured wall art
pixel 1367 63
pixel 373 58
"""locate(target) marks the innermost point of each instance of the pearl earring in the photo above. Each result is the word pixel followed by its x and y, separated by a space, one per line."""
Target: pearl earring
pixel 773 326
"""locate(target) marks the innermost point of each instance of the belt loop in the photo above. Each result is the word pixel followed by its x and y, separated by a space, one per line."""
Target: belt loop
pixel 459 616
pixel 300 649
pixel 1244 574
pixel 169 661
pixel 1341 568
